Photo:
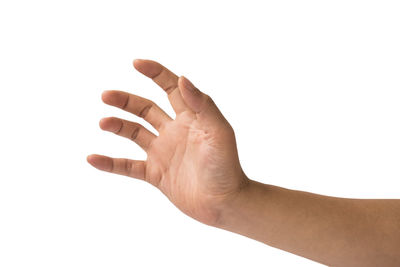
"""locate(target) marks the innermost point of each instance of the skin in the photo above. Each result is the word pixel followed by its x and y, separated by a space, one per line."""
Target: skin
pixel 194 162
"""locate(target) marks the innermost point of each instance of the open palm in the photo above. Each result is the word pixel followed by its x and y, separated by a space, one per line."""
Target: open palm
pixel 193 160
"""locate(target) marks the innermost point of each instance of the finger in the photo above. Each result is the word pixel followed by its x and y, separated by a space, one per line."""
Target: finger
pixel 199 102
pixel 137 105
pixel 166 79
pixel 131 130
pixel 127 167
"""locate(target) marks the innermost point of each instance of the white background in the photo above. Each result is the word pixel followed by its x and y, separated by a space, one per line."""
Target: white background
pixel 310 87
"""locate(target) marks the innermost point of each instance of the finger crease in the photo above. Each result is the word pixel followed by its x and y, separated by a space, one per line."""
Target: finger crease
pixel 145 110
pixel 170 88
pixel 112 166
pixel 128 166
pixel 158 74
pixel 126 103
pixel 144 170
pixel 120 128
pixel 134 134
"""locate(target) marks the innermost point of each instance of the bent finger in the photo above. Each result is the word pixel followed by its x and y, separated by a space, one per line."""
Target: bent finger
pixel 165 78
pixel 137 105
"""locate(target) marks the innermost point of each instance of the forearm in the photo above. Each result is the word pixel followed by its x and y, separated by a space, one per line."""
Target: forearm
pixel 329 230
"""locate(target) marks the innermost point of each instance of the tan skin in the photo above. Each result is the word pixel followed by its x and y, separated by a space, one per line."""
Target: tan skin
pixel 194 162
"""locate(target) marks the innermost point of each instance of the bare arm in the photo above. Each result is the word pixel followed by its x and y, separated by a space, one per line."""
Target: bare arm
pixel 194 161
pixel 329 230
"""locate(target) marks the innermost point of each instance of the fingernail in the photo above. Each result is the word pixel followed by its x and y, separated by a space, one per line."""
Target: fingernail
pixel 187 84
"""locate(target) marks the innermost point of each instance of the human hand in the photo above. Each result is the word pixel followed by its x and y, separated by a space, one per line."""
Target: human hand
pixel 193 160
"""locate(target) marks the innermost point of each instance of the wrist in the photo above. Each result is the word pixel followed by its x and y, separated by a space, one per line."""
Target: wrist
pixel 237 204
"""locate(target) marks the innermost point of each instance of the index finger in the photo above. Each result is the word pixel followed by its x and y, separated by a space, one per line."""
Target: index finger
pixel 166 79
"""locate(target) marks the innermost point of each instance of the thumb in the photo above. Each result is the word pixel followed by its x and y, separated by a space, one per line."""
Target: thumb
pixel 194 98
pixel 200 103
